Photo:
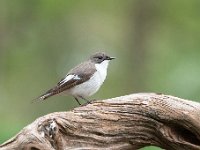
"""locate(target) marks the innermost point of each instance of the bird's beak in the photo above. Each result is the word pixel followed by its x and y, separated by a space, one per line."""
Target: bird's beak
pixel 110 58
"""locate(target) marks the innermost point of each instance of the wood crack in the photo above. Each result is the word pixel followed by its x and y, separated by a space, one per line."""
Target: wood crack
pixel 126 122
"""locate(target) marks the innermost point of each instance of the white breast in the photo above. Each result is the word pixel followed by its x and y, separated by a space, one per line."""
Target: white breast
pixel 91 86
pixel 102 70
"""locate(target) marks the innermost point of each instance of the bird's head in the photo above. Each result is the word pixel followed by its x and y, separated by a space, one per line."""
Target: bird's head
pixel 100 57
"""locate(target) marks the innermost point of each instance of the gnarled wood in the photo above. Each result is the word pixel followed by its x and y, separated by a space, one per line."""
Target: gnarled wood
pixel 127 122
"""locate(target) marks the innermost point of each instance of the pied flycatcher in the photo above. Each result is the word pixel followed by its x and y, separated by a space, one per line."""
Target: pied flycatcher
pixel 84 80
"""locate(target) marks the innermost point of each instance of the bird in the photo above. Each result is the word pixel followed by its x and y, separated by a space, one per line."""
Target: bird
pixel 84 80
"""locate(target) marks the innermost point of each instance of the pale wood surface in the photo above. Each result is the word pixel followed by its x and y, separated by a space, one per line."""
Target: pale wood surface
pixel 122 123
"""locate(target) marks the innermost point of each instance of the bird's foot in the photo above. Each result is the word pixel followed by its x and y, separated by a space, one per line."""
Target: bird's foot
pixel 86 101
pixel 84 104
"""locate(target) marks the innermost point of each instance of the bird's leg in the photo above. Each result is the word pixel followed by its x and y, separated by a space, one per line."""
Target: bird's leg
pixel 88 102
pixel 77 100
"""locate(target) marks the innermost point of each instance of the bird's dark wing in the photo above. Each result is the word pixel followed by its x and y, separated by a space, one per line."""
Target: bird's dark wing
pixel 76 76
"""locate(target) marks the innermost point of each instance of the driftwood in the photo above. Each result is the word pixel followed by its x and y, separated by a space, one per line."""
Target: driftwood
pixel 127 122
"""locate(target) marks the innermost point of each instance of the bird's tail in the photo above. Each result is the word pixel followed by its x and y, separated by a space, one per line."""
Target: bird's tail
pixel 46 95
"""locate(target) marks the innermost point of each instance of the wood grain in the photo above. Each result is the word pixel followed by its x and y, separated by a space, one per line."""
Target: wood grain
pixel 122 123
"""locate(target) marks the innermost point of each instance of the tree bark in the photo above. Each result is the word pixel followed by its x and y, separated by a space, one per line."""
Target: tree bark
pixel 126 122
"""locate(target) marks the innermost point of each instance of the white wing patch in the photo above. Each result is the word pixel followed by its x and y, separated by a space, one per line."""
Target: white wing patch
pixel 76 77
pixel 68 78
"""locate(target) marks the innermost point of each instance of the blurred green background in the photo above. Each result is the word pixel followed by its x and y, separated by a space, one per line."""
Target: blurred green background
pixel 156 44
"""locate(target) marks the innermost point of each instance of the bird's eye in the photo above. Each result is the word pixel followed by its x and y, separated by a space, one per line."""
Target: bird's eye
pixel 100 57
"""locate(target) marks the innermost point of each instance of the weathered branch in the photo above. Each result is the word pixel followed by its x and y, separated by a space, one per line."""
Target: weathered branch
pixel 127 122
